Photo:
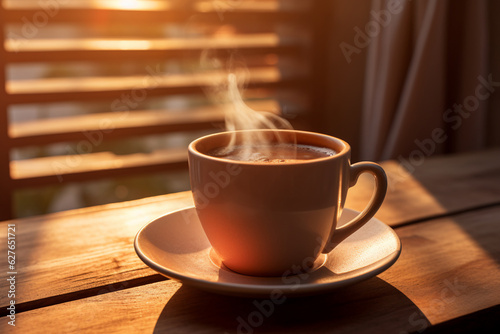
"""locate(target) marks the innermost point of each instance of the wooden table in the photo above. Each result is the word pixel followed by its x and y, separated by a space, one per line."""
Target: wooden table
pixel 77 271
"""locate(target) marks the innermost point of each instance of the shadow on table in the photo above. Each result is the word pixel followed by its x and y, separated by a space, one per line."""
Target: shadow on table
pixel 466 188
pixel 370 306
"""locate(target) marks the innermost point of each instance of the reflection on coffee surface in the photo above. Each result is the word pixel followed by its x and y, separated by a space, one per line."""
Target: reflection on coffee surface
pixel 272 153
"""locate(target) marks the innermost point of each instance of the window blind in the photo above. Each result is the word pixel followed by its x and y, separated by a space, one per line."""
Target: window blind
pixel 96 90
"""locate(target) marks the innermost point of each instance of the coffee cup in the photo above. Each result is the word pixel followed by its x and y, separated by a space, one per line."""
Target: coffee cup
pixel 272 210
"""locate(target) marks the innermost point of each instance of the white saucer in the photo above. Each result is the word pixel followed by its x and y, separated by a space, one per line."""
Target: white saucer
pixel 176 246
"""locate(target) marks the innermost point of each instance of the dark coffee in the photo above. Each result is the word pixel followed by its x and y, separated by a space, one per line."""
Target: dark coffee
pixel 272 153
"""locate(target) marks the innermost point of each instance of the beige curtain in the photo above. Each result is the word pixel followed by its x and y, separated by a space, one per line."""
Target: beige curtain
pixel 427 81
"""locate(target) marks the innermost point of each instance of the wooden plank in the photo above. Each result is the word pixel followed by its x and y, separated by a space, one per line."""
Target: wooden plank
pixel 81 249
pixel 112 125
pixel 84 16
pixel 166 307
pixel 143 5
pixel 87 49
pixel 475 176
pixel 80 167
pixel 106 126
pixel 449 269
pixel 262 6
pixel 240 41
pixel 136 82
pixel 83 12
pixel 152 84
pixel 154 5
pixel 440 185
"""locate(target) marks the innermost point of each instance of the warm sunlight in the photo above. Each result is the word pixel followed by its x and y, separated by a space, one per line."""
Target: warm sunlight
pixel 100 4
pixel 132 4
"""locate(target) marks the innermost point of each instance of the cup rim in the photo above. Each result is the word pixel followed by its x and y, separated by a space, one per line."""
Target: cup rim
pixel 345 150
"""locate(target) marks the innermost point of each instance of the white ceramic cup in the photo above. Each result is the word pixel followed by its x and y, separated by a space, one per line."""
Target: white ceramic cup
pixel 265 219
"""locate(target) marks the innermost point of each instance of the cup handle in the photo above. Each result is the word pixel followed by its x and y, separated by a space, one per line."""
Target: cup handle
pixel 375 202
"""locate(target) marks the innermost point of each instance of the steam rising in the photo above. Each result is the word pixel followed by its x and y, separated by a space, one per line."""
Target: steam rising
pixel 225 92
pixel 239 116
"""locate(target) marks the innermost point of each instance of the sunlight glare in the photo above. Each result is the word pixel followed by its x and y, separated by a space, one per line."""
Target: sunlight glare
pixel 132 4
pixel 119 44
